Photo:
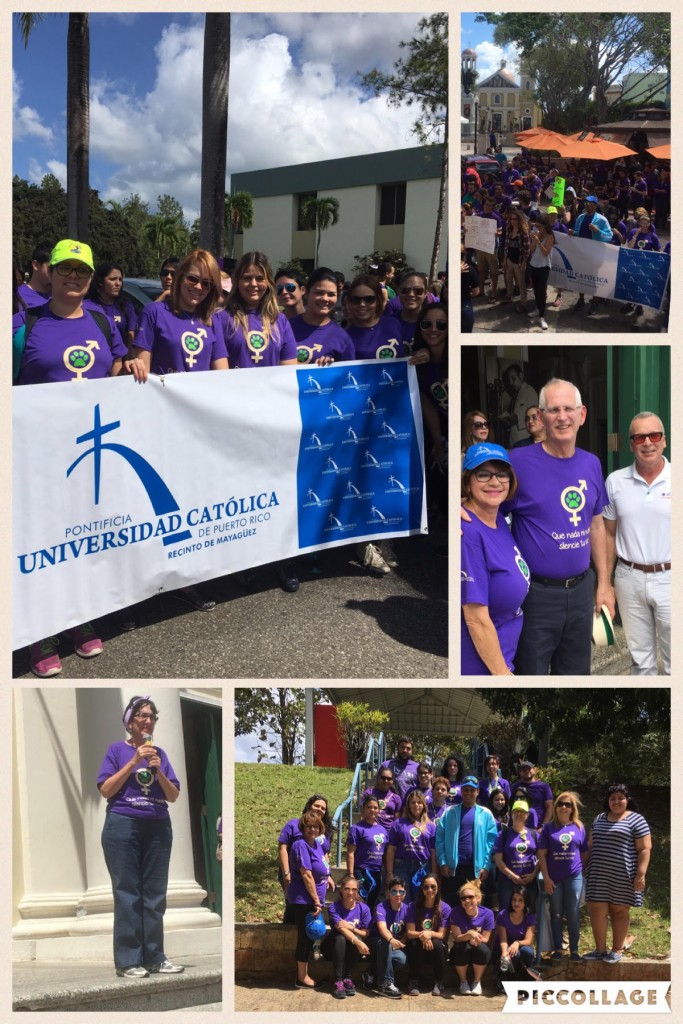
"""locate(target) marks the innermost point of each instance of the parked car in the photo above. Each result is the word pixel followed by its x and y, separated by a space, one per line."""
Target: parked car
pixel 141 290
pixel 483 164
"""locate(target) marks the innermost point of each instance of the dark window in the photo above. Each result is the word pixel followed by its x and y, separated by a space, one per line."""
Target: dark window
pixel 393 204
pixel 301 199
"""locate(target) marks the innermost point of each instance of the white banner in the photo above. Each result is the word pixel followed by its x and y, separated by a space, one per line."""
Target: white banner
pixel 122 491
pixel 480 233
pixel 588 997
pixel 609 271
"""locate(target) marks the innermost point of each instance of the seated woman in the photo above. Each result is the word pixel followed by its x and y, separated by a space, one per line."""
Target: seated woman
pixel 365 846
pixel 494 575
pixel 387 939
pixel 345 944
pixel 290 833
pixel 411 843
pixel 471 927
pixel 427 934
pixel 515 931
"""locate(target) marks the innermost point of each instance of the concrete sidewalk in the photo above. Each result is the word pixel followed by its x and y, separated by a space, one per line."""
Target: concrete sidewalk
pixel 283 997
pixel 65 986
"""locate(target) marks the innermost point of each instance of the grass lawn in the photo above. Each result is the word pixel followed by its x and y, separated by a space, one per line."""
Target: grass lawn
pixel 266 796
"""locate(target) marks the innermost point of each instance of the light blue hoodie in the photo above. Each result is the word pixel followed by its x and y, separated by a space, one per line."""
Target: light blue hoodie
pixel 448 833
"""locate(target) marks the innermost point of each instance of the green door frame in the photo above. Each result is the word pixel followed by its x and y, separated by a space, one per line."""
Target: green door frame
pixel 638 378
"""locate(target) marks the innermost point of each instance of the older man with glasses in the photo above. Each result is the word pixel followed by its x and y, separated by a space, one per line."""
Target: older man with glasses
pixel 638 525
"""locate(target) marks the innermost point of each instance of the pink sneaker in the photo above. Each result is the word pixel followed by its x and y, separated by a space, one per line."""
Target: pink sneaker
pixel 44 658
pixel 86 641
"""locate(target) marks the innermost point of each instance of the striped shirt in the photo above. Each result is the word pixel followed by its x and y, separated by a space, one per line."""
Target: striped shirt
pixel 613 859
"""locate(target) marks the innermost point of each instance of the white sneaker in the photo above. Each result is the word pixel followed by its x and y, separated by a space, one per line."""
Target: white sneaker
pixel 372 560
pixel 132 972
pixel 542 324
pixel 464 988
pixel 166 967
pixel 388 554
pixel 476 989
pixel 438 989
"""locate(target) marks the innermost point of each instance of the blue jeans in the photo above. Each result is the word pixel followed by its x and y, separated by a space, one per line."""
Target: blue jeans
pixel 387 959
pixel 137 852
pixel 564 902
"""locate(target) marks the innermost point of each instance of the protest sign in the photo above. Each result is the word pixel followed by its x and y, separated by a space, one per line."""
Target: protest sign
pixel 480 234
pixel 609 271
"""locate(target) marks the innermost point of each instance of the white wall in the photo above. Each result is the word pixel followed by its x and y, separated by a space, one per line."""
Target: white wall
pixel 272 230
pixel 422 202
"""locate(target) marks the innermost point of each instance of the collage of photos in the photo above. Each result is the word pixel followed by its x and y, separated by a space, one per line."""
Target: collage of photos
pixel 203 192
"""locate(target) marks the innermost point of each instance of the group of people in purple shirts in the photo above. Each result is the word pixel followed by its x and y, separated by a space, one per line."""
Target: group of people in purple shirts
pixel 71 323
pixel 621 204
pixel 431 857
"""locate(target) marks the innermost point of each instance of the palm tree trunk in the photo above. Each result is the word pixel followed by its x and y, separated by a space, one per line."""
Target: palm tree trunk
pixel 78 126
pixel 214 130
pixel 443 189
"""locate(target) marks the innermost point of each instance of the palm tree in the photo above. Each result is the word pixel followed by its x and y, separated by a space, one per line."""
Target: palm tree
pixel 162 235
pixel 318 215
pixel 214 130
pixel 77 118
pixel 239 214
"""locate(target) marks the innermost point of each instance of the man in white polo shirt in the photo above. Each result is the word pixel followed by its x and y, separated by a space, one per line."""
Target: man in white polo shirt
pixel 638 525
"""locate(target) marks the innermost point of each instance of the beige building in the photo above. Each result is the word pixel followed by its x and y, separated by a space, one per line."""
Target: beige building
pixel 386 201
pixel 506 105
pixel 62 904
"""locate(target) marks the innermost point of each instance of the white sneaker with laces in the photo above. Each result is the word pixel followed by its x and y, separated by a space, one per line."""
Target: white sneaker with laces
pixel 372 560
pixel 464 988
pixel 542 324
pixel 388 554
pixel 476 989
pixel 166 967
pixel 132 972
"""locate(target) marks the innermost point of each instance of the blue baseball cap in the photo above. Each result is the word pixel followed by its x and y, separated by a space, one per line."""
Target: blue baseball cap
pixel 476 454
pixel 591 199
pixel 470 780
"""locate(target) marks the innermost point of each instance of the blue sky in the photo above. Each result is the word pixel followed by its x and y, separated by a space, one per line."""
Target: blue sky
pixel 479 37
pixel 294 97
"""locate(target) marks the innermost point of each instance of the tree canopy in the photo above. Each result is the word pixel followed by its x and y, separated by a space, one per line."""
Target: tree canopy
pixel 277 716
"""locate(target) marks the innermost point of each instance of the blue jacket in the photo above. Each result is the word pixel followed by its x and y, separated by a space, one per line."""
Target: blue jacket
pixel 448 834
pixel 605 232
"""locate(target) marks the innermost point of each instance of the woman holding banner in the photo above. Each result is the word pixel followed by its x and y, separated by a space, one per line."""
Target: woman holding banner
pixel 63 341
pixel 138 782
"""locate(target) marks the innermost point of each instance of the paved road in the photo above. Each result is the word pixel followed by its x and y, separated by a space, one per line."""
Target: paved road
pixel 497 317
pixel 342 624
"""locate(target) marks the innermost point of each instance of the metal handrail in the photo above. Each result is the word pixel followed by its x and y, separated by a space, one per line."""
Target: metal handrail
pixel 362 773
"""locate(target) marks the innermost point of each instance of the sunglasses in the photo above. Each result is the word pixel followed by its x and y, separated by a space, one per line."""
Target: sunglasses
pixel 66 270
pixel 194 280
pixel 654 436
pixel 438 325
pixel 289 287
pixel 364 300
pixel 386 778
pixel 168 272
pixel 484 475
pixel 468 897
pixel 480 425
pixel 397 892
pixel 412 291
pixel 427 888
pixel 564 803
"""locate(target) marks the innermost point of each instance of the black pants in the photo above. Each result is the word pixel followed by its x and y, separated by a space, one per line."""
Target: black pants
pixel 449 886
pixel 304 945
pixel 557 630
pixel 462 954
pixel 343 954
pixel 418 956
pixel 539 282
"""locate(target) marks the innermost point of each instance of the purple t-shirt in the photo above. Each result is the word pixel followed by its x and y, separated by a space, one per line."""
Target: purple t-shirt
pixel 564 844
pixel 410 842
pixel 383 341
pixel 432 379
pixel 134 799
pixel 539 793
pixel 514 932
pixel 482 921
pixel 465 836
pixel 395 920
pixel 435 812
pixel 647 240
pixel 518 849
pixel 454 794
pixel 389 805
pixel 553 508
pixel 309 858
pixel 123 315
pixel 327 340
pixel 405 774
pixel 370 842
pixel 178 343
pixel 254 349
pixel 487 785
pixel 31 297
pixel 65 348
pixel 360 915
pixel 426 793
pixel 494 574
pixel 290 833
pixel 428 921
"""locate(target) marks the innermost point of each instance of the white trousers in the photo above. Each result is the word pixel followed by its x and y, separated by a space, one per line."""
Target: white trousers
pixel 644 600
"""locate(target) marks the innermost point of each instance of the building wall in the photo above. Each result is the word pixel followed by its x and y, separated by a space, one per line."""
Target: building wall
pixel 422 203
pixel 273 228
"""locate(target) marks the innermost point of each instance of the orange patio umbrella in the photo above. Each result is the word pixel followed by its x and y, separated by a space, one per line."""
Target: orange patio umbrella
pixel 548 140
pixel 597 149
pixel 661 152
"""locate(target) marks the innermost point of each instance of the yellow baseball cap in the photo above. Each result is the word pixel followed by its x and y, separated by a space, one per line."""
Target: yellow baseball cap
pixel 68 249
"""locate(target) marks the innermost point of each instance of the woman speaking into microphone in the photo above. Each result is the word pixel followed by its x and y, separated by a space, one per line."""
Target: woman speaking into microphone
pixel 137 781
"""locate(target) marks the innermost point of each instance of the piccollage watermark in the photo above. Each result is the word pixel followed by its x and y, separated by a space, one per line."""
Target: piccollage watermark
pixel 586 997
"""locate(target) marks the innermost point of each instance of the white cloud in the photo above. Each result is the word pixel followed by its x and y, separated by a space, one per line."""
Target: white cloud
pixel 36 172
pixel 288 104
pixel 26 120
pixel 489 57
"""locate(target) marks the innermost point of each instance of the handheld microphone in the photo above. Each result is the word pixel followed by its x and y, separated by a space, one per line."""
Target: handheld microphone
pixel 148 738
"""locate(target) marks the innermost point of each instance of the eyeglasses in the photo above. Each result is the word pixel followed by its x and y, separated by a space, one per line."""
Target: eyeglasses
pixel 654 436
pixel 167 272
pixel 145 715
pixel 480 425
pixel 437 325
pixel 289 287
pixel 483 476
pixel 564 803
pixel 385 778
pixel 67 269
pixel 397 892
pixel 557 409
pixel 194 280
pixel 531 417
pixel 412 291
pixel 364 300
